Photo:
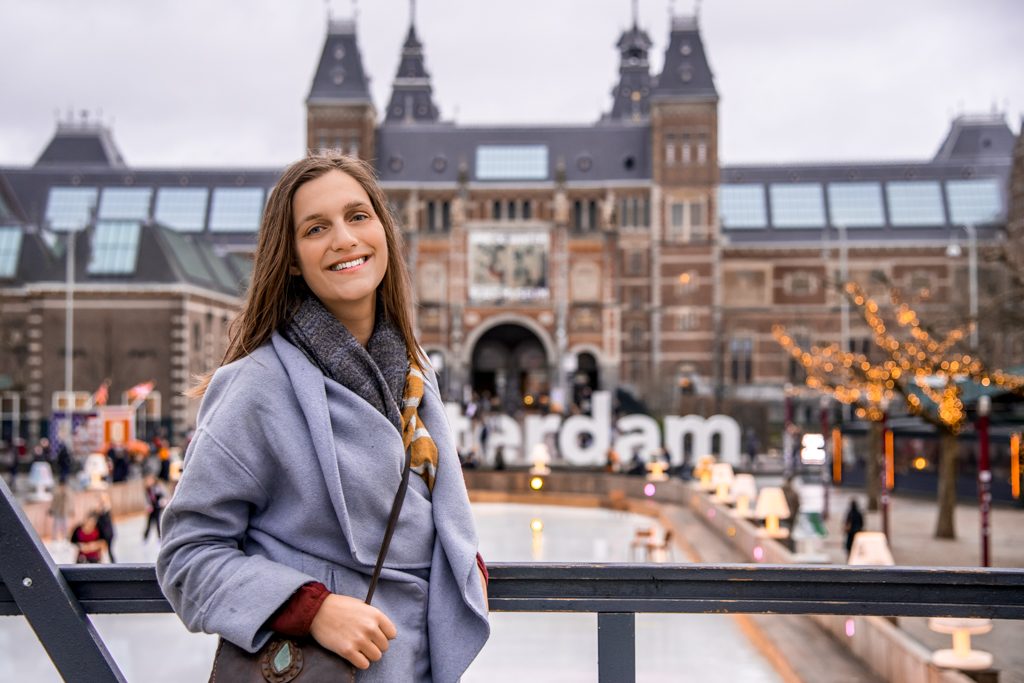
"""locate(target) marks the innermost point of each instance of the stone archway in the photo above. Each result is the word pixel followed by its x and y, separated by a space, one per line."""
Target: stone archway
pixel 510 362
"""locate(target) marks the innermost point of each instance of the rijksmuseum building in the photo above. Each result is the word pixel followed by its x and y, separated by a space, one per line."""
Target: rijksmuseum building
pixel 615 254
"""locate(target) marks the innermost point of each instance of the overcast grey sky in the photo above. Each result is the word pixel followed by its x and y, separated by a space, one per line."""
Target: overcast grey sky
pixel 222 82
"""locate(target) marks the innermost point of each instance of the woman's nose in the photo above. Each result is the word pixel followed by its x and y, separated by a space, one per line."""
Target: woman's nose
pixel 342 237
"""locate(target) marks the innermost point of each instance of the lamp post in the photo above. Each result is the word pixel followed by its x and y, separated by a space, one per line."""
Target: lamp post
pixel 984 478
pixel 824 470
pixel 887 445
pixel 953 251
pixel 69 321
pixel 844 304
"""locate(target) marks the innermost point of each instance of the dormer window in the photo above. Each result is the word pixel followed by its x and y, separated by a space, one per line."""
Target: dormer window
pixel 685 49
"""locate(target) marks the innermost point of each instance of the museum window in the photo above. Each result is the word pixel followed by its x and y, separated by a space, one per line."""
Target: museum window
pixel 431 216
pixel 741 360
pixel 686 153
pixel 677 222
pixel 636 262
pixel 511 213
pixel 592 215
pixel 686 319
pixel 636 334
pixel 636 298
pixel 446 215
pixel 670 150
pixel 577 215
pixel 698 220
pixel 527 209
pixel 702 153
pixel 496 209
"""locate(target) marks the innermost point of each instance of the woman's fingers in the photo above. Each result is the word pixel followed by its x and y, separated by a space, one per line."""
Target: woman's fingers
pixel 387 627
pixel 372 652
pixel 379 640
pixel 357 660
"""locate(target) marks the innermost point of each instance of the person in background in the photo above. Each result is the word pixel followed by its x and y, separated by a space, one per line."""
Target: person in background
pixel 853 525
pixel 792 500
pixel 155 504
pixel 60 509
pixel 86 537
pixel 106 524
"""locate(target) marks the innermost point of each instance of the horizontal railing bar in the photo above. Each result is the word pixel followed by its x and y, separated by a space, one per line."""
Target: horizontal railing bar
pixel 605 588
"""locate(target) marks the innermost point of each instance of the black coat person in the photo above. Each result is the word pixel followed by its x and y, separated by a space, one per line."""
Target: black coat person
pixel 854 523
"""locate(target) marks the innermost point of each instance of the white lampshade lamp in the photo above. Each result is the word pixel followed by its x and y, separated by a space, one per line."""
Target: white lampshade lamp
pixel 703 472
pixel 40 477
pixel 744 491
pixel 656 470
pixel 540 457
pixel 961 656
pixel 772 506
pixel 721 478
pixel 870 548
pixel 96 471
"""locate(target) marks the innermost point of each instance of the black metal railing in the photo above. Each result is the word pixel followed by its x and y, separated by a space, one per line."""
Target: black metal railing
pixel 56 600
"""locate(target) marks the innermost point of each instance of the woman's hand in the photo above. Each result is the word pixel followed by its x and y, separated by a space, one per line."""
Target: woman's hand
pixel 352 629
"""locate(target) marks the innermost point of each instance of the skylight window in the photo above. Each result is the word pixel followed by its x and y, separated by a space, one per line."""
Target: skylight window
pixel 742 206
pixel 974 201
pixel 125 203
pixel 236 209
pixel 10 248
pixel 913 203
pixel 70 208
pixel 512 162
pixel 182 208
pixel 856 204
pixel 797 205
pixel 115 248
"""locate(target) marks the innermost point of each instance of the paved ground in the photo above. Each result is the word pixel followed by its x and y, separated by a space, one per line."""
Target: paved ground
pixel 912 526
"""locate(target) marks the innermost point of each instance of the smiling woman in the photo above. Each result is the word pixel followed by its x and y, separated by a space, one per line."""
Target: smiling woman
pixel 275 531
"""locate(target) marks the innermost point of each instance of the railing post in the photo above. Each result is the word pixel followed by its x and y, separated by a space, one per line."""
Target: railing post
pixel 616 647
pixel 46 600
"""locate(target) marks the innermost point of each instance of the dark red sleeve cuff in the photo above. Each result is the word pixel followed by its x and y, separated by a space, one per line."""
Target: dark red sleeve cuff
pixel 295 617
pixel 483 568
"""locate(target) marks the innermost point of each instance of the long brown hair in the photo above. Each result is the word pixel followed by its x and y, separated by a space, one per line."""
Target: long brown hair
pixel 274 293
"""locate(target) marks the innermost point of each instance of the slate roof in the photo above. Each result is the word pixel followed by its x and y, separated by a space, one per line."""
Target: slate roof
pixel 631 96
pixel 686 73
pixel 340 76
pixel 412 95
pixel 976 139
pixel 434 153
pixel 81 144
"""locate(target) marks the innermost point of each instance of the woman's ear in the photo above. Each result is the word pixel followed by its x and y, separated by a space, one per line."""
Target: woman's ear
pixel 294 270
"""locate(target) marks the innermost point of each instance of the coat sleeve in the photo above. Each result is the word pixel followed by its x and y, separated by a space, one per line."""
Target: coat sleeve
pixel 210 582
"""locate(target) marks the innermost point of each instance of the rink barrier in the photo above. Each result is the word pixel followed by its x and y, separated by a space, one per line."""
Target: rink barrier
pixel 56 600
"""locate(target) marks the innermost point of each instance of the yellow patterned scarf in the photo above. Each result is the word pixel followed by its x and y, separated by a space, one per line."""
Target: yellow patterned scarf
pixel 414 433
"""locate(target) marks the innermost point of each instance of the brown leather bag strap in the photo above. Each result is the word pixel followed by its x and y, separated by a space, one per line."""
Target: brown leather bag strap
pixel 396 509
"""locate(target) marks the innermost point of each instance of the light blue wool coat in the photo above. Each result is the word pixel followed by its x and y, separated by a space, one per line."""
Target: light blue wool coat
pixel 289 479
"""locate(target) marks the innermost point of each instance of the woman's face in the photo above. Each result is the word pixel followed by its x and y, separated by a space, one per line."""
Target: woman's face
pixel 340 246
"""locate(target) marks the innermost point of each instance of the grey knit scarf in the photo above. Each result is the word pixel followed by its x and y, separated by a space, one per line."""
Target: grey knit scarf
pixel 376 373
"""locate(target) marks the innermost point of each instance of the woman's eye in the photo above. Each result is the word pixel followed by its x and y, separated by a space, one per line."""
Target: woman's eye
pixel 360 216
pixel 314 229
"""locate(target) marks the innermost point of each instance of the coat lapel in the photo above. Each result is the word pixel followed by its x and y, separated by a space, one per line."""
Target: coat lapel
pixel 308 385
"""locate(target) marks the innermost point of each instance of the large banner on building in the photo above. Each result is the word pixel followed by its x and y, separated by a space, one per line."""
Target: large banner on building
pixel 508 266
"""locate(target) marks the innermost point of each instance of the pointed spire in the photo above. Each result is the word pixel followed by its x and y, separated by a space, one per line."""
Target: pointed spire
pixel 412 95
pixel 686 73
pixel 340 76
pixel 630 98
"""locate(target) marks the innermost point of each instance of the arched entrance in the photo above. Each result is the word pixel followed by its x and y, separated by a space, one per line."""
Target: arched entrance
pixel 509 363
